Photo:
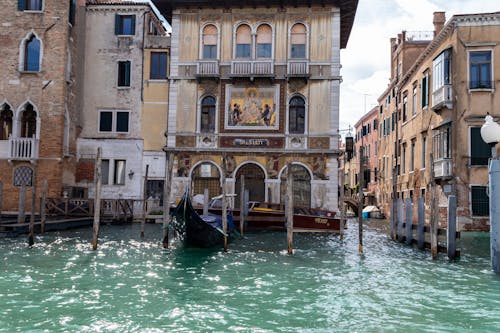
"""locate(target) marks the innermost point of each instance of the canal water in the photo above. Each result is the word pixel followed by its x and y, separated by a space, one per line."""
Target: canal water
pixel 132 285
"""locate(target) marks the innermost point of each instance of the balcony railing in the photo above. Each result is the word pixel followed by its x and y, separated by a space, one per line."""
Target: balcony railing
pixel 442 97
pixel 208 68
pixel 443 168
pixel 23 148
pixel 252 68
pixel 298 68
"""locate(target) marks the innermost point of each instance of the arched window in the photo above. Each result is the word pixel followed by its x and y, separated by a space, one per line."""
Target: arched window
pixel 301 186
pixel 296 115
pixel 243 41
pixel 5 122
pixel 210 42
pixel 207 123
pixel 32 55
pixel 264 41
pixel 28 122
pixel 298 37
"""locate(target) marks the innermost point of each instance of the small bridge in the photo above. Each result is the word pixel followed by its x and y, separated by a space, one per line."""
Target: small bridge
pixel 353 203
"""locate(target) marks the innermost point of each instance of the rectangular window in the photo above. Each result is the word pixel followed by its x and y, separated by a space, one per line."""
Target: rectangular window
pixel 441 70
pixel 412 156
pixel 114 121
pixel 405 108
pixel 105 121
pixel 209 51
pixel 105 172
pixel 123 73
pixel 414 101
pixel 263 50
pixel 479 201
pixel 298 51
pixel 242 50
pixel 442 143
pixel 30 5
pixel 424 150
pixel 124 25
pixel 425 90
pixel 480 70
pixel 480 151
pixel 119 175
pixel 158 70
pixel 403 159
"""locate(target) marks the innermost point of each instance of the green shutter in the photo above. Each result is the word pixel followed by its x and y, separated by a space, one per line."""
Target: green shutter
pixel 117 24
pixel 133 24
pixel 21 4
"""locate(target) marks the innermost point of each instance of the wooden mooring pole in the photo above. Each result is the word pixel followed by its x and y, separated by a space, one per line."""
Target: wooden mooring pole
pixel 409 221
pixel 97 202
pixel 361 199
pixel 434 214
pixel 224 200
pixel 21 216
pixel 31 238
pixel 205 202
pixel 289 208
pixel 167 186
pixel 243 204
pixel 421 224
pixel 451 236
pixel 144 199
pixel 43 215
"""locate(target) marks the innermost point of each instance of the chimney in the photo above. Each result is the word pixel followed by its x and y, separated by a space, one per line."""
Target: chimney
pixel 439 21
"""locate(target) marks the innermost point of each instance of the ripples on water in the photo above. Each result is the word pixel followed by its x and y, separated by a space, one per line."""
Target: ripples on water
pixel 132 285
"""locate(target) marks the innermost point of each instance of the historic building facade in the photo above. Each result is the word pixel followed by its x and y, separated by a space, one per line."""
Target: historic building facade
pixel 37 132
pixel 260 87
pixel 443 99
pixel 123 109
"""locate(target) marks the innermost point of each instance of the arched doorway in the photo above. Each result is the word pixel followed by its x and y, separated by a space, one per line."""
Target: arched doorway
pixel 206 175
pixel 254 183
pixel 301 186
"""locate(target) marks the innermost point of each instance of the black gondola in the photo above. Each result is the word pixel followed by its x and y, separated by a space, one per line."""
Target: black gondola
pixel 199 230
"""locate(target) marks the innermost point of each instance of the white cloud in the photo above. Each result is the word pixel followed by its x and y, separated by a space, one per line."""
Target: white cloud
pixel 366 60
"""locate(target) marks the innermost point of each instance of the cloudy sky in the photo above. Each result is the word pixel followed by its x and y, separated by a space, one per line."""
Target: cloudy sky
pixel 365 61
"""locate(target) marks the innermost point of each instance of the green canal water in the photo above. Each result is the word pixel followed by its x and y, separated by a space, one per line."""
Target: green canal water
pixel 133 285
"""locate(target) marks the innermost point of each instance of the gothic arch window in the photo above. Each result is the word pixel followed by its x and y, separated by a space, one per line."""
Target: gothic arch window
pixel 209 41
pixel 243 41
pixel 31 54
pixel 28 122
pixel 298 41
pixel 296 115
pixel 6 116
pixel 264 41
pixel 207 116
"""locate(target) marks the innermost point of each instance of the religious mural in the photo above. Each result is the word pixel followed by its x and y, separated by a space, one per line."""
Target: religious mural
pixel 252 107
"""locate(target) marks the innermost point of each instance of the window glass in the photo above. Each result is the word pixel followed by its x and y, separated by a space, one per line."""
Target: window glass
pixel 480 201
pixel 124 74
pixel 105 172
pixel 207 122
pixel 480 70
pixel 32 55
pixel 479 150
pixel 35 5
pixel 106 121
pixel 296 116
pixel 243 41
pixel 5 122
pixel 28 122
pixel 125 25
pixel 122 121
pixel 210 42
pixel 158 69
pixel 264 41
pixel 298 38
pixel 119 178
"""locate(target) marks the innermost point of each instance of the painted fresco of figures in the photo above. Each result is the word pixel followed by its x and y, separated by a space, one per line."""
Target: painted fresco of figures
pixel 252 106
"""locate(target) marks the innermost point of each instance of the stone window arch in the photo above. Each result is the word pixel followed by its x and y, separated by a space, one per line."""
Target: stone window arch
pixel 209 40
pixel 31 54
pixel 264 43
pixel 208 114
pixel 297 115
pixel 298 41
pixel 243 41
pixel 28 122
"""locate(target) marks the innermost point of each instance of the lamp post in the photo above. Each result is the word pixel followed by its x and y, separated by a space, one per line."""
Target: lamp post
pixel 490 132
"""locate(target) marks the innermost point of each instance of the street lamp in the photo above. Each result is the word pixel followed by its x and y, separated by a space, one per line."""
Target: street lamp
pixel 490 132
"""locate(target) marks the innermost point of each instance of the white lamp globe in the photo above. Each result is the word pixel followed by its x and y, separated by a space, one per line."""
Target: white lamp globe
pixel 490 131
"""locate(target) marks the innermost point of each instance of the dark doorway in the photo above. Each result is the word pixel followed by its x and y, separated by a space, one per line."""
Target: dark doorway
pixel 206 175
pixel 301 186
pixel 254 183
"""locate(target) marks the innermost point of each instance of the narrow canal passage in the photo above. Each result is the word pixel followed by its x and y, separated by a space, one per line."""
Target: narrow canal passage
pixel 132 285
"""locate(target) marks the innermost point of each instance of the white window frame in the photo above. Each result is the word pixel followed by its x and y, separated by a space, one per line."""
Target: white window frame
pixel 118 73
pixel 218 40
pixel 492 69
pixel 22 51
pixel 113 121
pixel 198 116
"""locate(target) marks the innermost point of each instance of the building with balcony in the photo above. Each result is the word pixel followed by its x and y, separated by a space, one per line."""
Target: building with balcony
pixel 36 115
pixel 257 84
pixel 445 95
pixel 124 97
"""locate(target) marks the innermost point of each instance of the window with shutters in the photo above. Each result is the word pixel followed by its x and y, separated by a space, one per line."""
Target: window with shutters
pixel 123 74
pixel 124 25
pixel 158 70
pixel 425 90
pixel 30 5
